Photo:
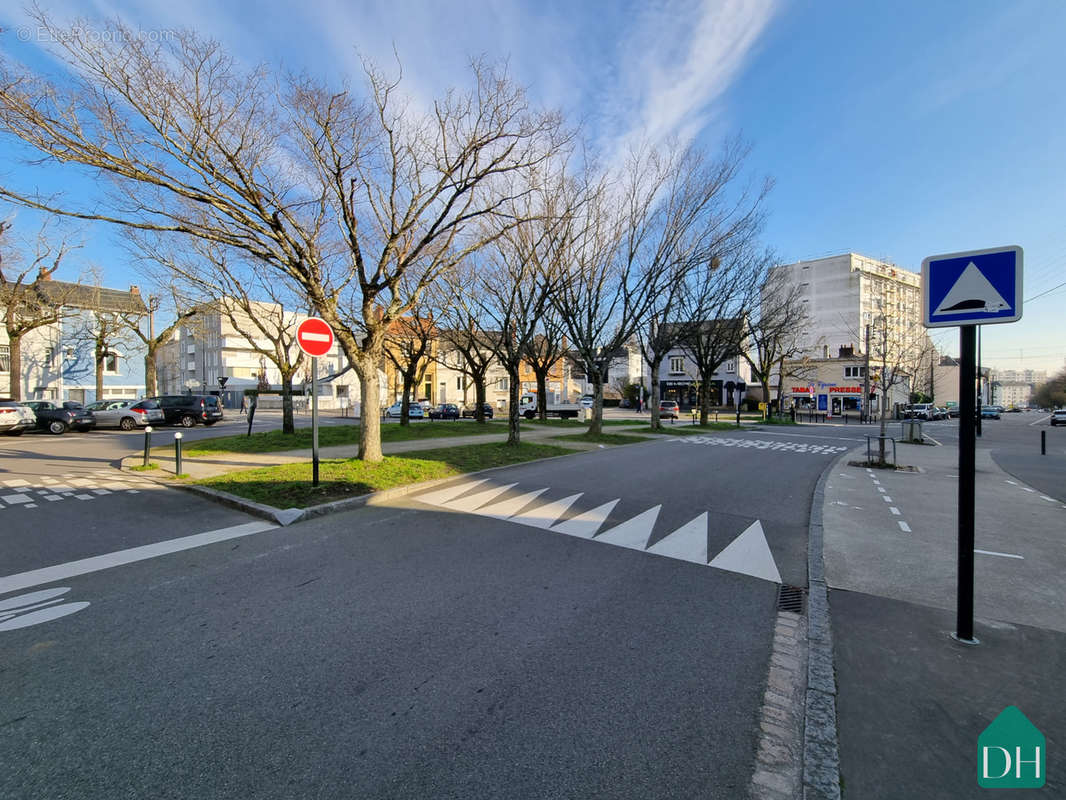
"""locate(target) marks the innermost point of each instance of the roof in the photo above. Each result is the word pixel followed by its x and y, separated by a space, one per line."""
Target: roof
pixel 90 298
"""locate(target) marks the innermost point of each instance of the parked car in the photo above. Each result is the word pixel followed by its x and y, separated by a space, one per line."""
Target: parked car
pixel 445 411
pixel 953 410
pixel 1058 416
pixel 989 412
pixel 920 411
pixel 414 411
pixel 15 418
pixel 587 401
pixel 127 414
pixel 470 412
pixel 669 409
pixel 940 412
pixel 56 419
pixel 188 409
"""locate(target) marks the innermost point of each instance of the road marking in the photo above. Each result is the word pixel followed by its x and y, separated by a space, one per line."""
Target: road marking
pixel 1049 499
pixel 877 483
pixel 1027 489
pixel 881 490
pixel 903 526
pixel 894 510
pixel 1012 483
pixel 749 554
pixel 886 498
pixel 545 516
pixel 59 572
pixel 1002 555
pixel 585 525
pixel 633 533
pixel 688 543
pixel 13 499
pixel 34 608
pixel 511 506
pixel 474 501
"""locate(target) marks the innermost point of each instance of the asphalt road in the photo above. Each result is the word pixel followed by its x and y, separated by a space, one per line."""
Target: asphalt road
pixel 427 649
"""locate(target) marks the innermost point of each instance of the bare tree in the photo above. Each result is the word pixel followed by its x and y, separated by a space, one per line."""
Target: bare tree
pixel 773 332
pixel 670 212
pixel 165 301
pixel 29 304
pixel 198 146
pixel 465 345
pixel 544 350
pixel 410 346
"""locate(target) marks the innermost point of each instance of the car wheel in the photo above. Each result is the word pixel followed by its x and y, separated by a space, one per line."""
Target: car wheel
pixel 57 427
pixel 127 423
pixel 188 421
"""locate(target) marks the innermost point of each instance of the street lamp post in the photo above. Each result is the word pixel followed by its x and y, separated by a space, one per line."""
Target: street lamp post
pixel 740 387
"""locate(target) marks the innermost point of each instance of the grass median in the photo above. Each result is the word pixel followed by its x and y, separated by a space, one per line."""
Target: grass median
pixel 687 429
pixel 332 435
pixel 601 438
pixel 289 485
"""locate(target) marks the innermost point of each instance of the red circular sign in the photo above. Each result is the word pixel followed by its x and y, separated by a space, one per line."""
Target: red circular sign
pixel 314 336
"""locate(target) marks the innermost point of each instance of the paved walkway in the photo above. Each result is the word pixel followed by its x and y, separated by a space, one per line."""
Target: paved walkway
pixel 221 463
pixel 912 701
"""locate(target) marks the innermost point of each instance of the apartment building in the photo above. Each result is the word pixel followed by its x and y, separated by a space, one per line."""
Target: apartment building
pixel 844 294
pixel 213 344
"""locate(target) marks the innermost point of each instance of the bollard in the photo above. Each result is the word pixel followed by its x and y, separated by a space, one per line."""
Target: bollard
pixel 147 442
pixel 1043 443
pixel 177 453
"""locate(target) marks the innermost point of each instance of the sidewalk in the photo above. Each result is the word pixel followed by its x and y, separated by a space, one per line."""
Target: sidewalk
pixel 911 701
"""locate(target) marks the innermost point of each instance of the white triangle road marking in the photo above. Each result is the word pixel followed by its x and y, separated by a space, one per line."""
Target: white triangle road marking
pixel 585 525
pixel 688 543
pixel 633 532
pixel 749 554
pixel 545 516
pixel 510 506
pixel 442 496
pixel 474 501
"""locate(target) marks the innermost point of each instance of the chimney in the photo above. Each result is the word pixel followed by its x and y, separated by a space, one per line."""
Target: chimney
pixel 135 290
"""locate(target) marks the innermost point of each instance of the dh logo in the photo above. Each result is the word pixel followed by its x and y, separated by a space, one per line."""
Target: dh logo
pixel 1012 753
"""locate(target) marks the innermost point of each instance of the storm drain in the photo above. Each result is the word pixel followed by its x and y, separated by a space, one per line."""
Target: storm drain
pixel 790 598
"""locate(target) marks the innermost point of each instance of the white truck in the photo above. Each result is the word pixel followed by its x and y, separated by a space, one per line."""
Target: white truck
pixel 527 407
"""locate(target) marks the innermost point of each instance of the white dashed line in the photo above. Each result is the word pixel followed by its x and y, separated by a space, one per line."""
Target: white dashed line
pixel 1049 499
pixel 1027 489
pixel 903 526
pixel 886 498
pixel 881 489
pixel 894 510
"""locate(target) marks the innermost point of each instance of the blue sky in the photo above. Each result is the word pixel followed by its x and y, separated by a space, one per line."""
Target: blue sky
pixel 897 130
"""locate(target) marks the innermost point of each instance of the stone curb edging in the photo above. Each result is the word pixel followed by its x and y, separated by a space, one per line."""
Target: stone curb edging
pixel 821 755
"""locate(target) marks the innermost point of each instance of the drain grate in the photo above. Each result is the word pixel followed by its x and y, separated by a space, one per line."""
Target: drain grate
pixel 790 598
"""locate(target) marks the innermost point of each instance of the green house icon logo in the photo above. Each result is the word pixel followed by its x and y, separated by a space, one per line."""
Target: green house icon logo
pixel 1011 753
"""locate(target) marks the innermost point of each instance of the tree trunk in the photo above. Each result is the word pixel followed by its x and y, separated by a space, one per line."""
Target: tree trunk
pixel 479 394
pixel 705 402
pixel 542 394
pixel 514 436
pixel 765 382
pixel 370 419
pixel 101 354
pixel 405 401
pixel 15 374
pixel 596 426
pixel 287 423
pixel 150 375
pixel 656 420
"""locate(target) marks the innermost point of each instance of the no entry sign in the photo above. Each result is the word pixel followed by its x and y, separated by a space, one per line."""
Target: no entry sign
pixel 314 337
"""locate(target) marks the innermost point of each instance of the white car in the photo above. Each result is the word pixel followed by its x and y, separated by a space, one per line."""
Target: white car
pixel 414 411
pixel 1058 416
pixel 15 418
pixel 588 401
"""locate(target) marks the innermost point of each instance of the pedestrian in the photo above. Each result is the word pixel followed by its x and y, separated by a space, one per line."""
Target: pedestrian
pixel 244 403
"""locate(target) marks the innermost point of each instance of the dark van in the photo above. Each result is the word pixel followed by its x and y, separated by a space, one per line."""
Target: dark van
pixel 188 409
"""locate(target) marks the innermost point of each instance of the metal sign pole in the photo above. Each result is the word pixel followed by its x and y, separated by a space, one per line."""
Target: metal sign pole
pixel 314 420
pixel 967 444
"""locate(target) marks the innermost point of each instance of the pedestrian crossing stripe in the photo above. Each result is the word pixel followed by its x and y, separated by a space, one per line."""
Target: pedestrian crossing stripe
pixel 748 554
pixel 763 444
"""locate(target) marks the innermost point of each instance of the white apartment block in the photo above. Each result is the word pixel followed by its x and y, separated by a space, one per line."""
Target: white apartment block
pixel 845 293
pixel 209 346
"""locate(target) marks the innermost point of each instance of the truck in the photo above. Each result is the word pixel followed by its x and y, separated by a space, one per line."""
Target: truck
pixel 527 407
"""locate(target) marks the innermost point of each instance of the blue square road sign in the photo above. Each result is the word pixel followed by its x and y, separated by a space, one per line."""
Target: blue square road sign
pixel 978 287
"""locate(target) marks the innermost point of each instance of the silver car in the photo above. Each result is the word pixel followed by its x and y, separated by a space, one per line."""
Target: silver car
pixel 126 414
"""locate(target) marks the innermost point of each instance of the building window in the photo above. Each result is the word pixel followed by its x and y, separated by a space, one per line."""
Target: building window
pixel 854 372
pixel 503 384
pixel 5 358
pixel 111 362
pixel 677 364
pixel 731 366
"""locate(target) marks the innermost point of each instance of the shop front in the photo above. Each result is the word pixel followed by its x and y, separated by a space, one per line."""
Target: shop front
pixel 834 400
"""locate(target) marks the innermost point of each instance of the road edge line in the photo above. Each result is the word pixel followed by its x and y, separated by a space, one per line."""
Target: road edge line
pixel 821 755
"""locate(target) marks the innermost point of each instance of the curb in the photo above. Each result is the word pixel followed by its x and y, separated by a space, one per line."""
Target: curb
pixel 288 516
pixel 821 756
